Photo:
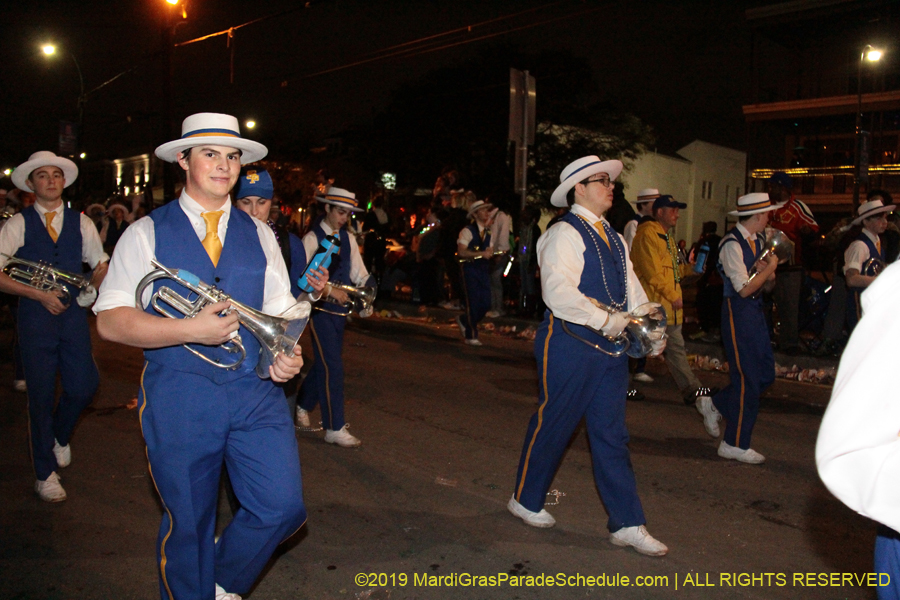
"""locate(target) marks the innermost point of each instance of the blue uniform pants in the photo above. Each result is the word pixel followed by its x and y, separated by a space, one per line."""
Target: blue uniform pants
pixel 751 368
pixel 191 425
pixel 887 560
pixel 324 385
pixel 52 344
pixel 476 294
pixel 577 382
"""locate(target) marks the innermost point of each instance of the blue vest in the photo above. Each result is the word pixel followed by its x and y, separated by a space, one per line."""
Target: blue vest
pixel 339 269
pixel 749 260
pixel 477 244
pixel 240 274
pixel 873 253
pixel 609 261
pixel 65 253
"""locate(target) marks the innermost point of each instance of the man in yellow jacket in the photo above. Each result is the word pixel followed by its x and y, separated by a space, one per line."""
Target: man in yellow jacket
pixel 654 253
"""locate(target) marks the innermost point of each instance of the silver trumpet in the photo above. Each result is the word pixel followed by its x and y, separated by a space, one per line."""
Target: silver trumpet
pixel 361 298
pixel 47 278
pixel 646 324
pixel 276 335
pixel 872 267
pixel 777 243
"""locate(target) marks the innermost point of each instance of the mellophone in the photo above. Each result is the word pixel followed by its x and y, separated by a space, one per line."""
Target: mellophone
pixel 46 278
pixel 276 335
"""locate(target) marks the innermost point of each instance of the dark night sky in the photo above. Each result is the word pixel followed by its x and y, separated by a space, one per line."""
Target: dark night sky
pixel 683 67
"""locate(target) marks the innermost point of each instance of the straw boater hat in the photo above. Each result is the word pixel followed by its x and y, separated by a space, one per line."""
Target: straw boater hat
pixel 476 206
pixel 647 195
pixel 340 197
pixel 213 129
pixel 870 209
pixel 751 204
pixel 580 170
pixel 44 158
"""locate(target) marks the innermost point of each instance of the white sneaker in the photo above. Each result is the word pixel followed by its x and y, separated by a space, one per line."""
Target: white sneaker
pixel 221 594
pixel 535 519
pixel 50 490
pixel 639 539
pixel 711 416
pixel 19 385
pixel 474 342
pixel 302 417
pixel 749 456
pixel 643 378
pixel 63 454
pixel 492 314
pixel 342 438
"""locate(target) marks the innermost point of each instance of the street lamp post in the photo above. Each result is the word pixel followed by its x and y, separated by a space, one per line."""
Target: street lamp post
pixel 50 50
pixel 872 55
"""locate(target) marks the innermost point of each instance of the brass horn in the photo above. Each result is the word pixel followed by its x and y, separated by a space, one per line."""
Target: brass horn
pixel 646 324
pixel 276 335
pixel 872 267
pixel 361 298
pixel 777 243
pixel 47 278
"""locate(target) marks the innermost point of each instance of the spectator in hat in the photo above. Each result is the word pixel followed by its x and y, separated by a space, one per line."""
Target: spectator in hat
pixel 475 249
pixel 751 364
pixel 584 261
pixel 196 417
pixel 794 218
pixel 864 257
pixel 54 337
pixel 325 383
pixel 654 254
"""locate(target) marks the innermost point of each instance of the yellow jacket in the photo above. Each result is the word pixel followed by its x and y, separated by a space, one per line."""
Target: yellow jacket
pixel 653 265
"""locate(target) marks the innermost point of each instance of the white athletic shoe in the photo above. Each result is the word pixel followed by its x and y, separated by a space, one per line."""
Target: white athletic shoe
pixel 638 538
pixel 63 454
pixel 643 378
pixel 749 456
pixel 302 417
pixel 711 416
pixel 535 519
pixel 50 489
pixel 342 438
pixel 221 594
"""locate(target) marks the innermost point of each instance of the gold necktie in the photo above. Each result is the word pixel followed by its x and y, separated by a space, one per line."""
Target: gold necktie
pixel 599 226
pixel 752 246
pixel 878 245
pixel 49 216
pixel 211 242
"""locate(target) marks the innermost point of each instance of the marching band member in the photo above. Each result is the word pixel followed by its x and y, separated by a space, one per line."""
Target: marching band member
pixel 53 337
pixel 582 258
pixel 474 247
pixel 254 194
pixel 193 415
pixel 873 218
pixel 744 331
pixel 324 385
pixel 644 214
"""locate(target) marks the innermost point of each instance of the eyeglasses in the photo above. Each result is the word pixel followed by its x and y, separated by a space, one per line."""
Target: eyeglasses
pixel 604 181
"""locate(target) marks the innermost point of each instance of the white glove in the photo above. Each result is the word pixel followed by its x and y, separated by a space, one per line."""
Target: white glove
pixel 616 324
pixel 367 312
pixel 86 297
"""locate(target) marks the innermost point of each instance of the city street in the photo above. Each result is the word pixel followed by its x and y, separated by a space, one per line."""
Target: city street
pixel 422 503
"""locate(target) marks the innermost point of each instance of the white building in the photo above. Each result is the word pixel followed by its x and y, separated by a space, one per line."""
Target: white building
pixel 707 177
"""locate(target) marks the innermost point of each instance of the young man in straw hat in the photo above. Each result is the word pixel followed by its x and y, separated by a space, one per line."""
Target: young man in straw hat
pixel 744 331
pixel 644 214
pixel 872 217
pixel 583 259
pixel 53 337
pixel 193 415
pixel 475 248
pixel 325 383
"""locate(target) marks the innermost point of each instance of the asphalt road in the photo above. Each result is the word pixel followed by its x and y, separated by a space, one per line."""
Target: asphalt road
pixel 442 426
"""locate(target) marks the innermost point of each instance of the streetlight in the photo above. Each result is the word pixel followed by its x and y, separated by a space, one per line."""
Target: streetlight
pixel 50 50
pixel 250 124
pixel 872 55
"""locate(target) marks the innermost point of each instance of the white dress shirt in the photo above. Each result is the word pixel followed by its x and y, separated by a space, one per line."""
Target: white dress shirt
pixel 560 254
pixel 358 272
pixel 131 261
pixel 465 235
pixel 629 232
pixel 858 252
pixel 858 450
pixel 732 258
pixel 12 236
pixel 500 232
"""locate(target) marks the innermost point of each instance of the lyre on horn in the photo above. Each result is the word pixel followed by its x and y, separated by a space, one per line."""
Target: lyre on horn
pixel 276 335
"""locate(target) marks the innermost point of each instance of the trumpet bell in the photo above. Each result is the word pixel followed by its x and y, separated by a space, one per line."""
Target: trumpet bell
pixel 276 335
pixel 872 267
pixel 647 324
pixel 779 244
